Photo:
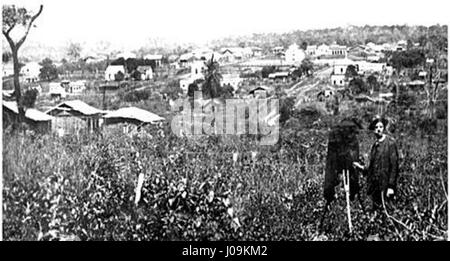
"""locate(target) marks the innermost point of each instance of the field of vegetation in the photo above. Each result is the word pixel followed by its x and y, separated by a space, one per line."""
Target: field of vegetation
pixel 84 187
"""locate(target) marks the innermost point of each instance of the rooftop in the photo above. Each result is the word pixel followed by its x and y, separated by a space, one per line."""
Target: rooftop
pixel 32 114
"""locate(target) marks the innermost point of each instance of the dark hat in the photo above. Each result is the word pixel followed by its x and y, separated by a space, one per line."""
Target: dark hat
pixel 376 120
pixel 351 122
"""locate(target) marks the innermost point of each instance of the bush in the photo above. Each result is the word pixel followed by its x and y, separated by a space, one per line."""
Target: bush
pixel 119 76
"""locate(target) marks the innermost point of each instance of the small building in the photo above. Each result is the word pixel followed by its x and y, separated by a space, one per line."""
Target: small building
pixel 146 72
pixel 228 56
pixel 57 90
pixel 35 119
pixel 131 115
pixel 311 50
pixel 77 87
pixel 323 50
pixel 338 50
pixel 232 54
pixel 185 80
pixel 62 89
pixel 256 51
pixel 339 69
pixel 401 45
pixel 112 70
pixel 75 116
pixel 279 75
pixel 260 91
pixel 338 79
pixel 277 50
pixel 359 51
pixel 370 67
pixel 157 58
pixel 294 55
pixel 232 79
pixel 340 66
pixel 30 72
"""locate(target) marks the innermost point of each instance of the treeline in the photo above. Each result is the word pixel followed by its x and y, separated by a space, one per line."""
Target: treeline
pixel 352 35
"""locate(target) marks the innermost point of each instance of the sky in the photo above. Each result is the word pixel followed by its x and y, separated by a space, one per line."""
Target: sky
pixel 130 23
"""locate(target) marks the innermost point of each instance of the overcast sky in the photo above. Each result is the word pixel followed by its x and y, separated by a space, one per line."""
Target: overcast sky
pixel 131 22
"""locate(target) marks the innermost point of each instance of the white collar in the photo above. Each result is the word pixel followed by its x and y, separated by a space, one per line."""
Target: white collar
pixel 382 139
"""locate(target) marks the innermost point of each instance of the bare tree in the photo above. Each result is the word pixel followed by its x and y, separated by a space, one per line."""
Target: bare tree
pixel 13 18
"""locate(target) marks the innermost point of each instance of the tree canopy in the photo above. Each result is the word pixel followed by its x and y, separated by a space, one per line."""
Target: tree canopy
pixel 211 86
pixel 48 70
pixel 351 72
pixel 407 59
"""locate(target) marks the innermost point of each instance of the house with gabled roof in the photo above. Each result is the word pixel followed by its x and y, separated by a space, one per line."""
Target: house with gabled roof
pixel 74 117
pixel 34 118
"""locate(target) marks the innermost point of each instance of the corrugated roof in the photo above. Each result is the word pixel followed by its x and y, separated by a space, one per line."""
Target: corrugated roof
pixel 134 113
pixel 31 114
pixel 79 106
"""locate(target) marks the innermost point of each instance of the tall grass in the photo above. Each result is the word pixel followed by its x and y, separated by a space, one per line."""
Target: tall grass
pixel 193 190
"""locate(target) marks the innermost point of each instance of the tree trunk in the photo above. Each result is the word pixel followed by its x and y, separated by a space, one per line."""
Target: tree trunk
pixel 17 92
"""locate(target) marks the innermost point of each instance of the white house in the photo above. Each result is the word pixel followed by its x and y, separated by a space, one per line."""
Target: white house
pixel 339 69
pixel 232 79
pixel 311 50
pixel 256 51
pixel 277 50
pixel 401 45
pixel 154 57
pixel 77 86
pixel 368 67
pixel 294 55
pixel 323 49
pixel 197 69
pixel 338 50
pixel 230 54
pixel 146 72
pixel 57 89
pixel 112 70
pixel 30 72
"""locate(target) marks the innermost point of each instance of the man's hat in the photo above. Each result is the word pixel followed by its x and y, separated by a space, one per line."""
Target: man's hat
pixel 376 120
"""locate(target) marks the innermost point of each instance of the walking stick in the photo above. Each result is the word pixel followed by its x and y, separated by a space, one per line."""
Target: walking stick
pixel 346 179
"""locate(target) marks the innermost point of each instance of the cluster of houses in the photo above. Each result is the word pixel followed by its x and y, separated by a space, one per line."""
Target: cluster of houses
pixel 366 58
pixel 64 88
pixel 248 58
pixel 340 66
pixel 75 116
pixel 146 72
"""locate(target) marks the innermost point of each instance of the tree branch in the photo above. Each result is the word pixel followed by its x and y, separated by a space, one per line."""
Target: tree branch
pixel 21 41
pixel 10 41
pixel 9 29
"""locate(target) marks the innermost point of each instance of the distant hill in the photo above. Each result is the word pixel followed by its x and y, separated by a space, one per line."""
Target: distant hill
pixel 350 35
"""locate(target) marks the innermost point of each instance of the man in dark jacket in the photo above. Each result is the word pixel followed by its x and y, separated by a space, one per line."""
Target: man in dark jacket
pixel 382 172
